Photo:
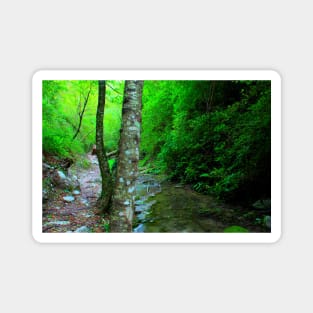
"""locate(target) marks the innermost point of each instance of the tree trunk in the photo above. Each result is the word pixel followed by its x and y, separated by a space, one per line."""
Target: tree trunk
pixel 123 201
pixel 106 192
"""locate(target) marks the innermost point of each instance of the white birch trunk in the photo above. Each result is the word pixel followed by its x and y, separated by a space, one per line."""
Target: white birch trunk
pixel 123 202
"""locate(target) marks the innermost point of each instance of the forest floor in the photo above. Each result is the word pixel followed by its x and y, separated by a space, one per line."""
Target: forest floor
pixel 79 215
pixel 174 207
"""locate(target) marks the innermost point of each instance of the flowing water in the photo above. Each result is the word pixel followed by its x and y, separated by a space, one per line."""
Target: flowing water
pixel 170 207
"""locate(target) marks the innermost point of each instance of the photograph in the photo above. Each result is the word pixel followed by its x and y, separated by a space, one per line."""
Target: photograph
pixel 162 156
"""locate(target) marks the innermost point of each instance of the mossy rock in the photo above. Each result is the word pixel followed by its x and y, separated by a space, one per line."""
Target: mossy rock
pixel 235 229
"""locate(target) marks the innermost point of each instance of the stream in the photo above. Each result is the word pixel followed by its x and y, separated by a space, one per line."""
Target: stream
pixel 170 207
pixel 160 206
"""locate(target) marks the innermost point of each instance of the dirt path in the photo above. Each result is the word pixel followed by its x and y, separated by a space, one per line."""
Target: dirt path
pixel 79 215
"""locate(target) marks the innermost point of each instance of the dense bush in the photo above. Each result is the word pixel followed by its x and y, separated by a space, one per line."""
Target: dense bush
pixel 215 135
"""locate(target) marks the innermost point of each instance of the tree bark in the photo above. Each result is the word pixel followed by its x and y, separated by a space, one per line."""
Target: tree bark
pixel 123 201
pixel 103 202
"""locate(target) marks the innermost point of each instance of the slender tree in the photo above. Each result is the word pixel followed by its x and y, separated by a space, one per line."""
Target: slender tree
pixel 103 202
pixel 123 201
pixel 81 113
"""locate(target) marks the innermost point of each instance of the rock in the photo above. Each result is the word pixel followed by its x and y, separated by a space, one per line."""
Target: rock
pixel 61 175
pixel 66 182
pixel 82 229
pixel 87 214
pixel 139 229
pixel 60 223
pixel 76 192
pixel 46 168
pixel 69 198
pixel 84 202
pixel 235 229
pixel 267 221
pixel 139 202
pixel 45 195
pixel 262 204
pixel 140 208
pixel 59 179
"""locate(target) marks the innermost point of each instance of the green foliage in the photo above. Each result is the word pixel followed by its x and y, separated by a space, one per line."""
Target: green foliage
pixel 112 163
pixel 214 135
pixel 157 102
pixel 235 229
pixel 106 225
pixel 83 163
pixel 63 106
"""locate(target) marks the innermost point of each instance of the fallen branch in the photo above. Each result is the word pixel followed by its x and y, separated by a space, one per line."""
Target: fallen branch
pixel 112 153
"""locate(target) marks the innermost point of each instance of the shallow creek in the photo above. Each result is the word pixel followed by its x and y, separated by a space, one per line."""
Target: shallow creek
pixel 170 207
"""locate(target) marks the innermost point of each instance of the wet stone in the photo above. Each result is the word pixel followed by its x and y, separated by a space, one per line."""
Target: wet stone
pixel 82 229
pixel 139 229
pixel 68 198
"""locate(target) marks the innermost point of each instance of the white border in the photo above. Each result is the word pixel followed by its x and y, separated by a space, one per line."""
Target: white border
pixel 39 76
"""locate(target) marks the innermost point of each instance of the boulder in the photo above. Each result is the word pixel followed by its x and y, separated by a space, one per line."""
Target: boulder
pixel 63 181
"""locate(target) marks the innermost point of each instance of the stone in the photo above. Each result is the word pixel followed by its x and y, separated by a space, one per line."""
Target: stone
pixel 262 204
pixel 61 175
pixel 85 202
pixel 68 198
pixel 82 229
pixel 267 221
pixel 66 182
pixel 139 208
pixel 139 202
pixel 139 229
pixel 76 192
pixel 87 214
pixel 45 195
pixel 60 223
pixel 46 168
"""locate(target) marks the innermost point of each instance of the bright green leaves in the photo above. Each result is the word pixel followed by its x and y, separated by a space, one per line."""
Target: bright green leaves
pixel 217 138
pixel 63 103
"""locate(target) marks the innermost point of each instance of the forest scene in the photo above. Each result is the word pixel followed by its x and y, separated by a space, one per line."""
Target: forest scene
pixel 156 156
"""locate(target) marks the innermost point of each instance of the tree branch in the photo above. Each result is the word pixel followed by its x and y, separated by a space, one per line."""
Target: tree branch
pixel 81 114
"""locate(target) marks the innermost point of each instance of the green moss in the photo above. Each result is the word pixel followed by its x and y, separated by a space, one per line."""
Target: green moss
pixel 235 229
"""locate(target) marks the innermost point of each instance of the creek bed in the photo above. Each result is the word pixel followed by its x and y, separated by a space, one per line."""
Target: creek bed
pixel 175 208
